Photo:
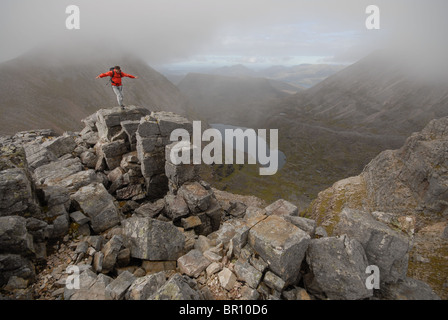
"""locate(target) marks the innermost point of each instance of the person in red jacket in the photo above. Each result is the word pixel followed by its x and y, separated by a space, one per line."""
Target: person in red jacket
pixel 117 86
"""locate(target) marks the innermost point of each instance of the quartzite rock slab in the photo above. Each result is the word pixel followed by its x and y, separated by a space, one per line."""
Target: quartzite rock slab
pixel 281 244
pixel 152 239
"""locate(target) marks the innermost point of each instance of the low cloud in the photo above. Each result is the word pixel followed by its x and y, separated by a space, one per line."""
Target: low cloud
pixel 180 30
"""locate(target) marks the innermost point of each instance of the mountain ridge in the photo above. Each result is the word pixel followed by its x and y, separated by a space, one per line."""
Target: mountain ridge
pixel 44 93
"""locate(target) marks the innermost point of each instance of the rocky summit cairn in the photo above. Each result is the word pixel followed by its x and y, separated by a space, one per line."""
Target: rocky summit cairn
pixel 107 205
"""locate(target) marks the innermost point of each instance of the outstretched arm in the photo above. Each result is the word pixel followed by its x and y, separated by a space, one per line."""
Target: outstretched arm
pixel 128 75
pixel 107 74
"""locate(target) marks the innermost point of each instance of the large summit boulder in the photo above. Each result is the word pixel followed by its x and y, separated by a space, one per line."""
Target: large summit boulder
pixel 108 121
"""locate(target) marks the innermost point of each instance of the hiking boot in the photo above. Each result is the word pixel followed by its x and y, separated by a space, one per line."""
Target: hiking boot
pixel 122 107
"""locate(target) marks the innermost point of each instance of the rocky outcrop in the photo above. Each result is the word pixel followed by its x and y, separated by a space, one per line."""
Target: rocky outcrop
pixel 414 177
pixel 128 223
pixel 386 248
pixel 398 197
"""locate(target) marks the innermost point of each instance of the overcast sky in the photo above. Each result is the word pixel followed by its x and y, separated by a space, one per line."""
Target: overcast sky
pixel 226 32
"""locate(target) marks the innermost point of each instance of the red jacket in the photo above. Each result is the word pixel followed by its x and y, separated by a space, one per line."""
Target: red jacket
pixel 116 80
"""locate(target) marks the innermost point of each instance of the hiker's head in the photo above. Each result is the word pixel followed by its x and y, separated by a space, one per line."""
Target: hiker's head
pixel 117 68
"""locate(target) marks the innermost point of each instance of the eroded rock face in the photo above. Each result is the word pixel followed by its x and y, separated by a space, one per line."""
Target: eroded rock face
pixel 412 178
pixel 15 265
pixel 384 247
pixel 16 196
pixel 152 136
pixel 14 236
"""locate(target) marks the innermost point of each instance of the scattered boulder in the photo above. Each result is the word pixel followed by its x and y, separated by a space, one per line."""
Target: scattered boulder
pixel 408 289
pixel 176 207
pixel 150 210
pixel 307 225
pixel 282 207
pixel 37 155
pixel 52 173
pixel 176 288
pixel 247 273
pixel 213 268
pixel 110 253
pixel 117 288
pixel 193 263
pixel 145 287
pixel 16 195
pixel 196 196
pixel 273 281
pixel 79 218
pixel 61 145
pixel 91 287
pixel 112 152
pixel 237 209
pixel 60 225
pixel 95 202
pixel 227 279
pixel 338 269
pixel 281 244
pixel 191 222
pixel 14 236
pixel 15 265
pixel 151 239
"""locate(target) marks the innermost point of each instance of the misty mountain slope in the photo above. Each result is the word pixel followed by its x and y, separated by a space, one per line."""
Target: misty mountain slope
pixel 335 128
pixel 56 91
pixel 230 100
pixel 376 95
pixel 300 76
